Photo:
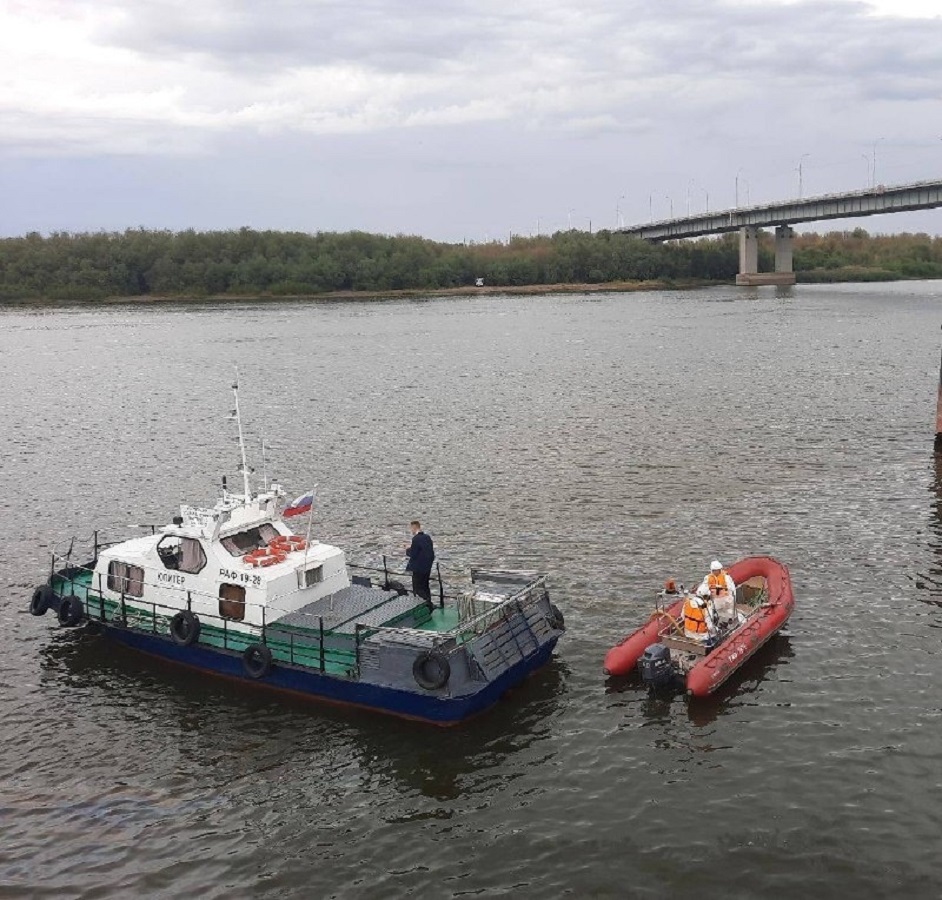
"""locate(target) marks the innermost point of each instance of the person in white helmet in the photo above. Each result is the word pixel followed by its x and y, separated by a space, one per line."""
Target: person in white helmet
pixel 721 587
pixel 699 615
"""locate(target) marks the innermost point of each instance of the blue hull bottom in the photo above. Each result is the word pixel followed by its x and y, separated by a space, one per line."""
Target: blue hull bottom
pixel 429 706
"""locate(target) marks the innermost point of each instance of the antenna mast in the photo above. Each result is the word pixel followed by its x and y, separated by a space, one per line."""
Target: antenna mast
pixel 265 448
pixel 238 418
pixel 264 465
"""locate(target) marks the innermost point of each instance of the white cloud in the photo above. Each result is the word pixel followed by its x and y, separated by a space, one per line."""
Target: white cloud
pixel 897 9
pixel 670 89
pixel 208 68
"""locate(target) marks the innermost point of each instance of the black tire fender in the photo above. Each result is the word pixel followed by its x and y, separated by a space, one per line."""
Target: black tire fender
pixel 556 619
pixel 431 670
pixel 71 611
pixel 256 660
pixel 398 587
pixel 185 628
pixel 41 600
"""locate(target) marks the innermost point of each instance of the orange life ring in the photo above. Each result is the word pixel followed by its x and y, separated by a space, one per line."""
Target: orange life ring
pixel 297 539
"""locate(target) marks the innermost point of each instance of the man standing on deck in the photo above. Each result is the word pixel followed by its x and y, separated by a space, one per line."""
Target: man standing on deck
pixel 421 555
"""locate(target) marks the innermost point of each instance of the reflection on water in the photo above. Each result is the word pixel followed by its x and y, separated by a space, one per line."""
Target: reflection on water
pixel 571 435
pixel 930 581
pixel 212 713
pixel 704 710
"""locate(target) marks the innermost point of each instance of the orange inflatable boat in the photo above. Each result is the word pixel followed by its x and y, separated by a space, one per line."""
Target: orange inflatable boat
pixel 666 657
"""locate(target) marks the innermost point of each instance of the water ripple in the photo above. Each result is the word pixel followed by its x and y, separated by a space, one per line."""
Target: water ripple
pixel 606 440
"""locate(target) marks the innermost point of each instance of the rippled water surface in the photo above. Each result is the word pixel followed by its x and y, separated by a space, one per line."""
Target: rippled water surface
pixel 609 440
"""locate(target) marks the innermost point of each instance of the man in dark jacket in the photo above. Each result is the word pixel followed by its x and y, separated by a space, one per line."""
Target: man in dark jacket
pixel 421 555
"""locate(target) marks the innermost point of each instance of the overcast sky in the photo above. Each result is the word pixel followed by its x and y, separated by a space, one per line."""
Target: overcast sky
pixel 456 119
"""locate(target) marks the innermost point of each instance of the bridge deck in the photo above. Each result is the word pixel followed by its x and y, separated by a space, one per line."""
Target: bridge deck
pixel 871 202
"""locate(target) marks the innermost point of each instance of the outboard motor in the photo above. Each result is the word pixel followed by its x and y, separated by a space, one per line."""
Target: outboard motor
pixel 655 666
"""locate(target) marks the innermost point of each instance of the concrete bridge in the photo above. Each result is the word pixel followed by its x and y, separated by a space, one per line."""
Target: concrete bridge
pixel 748 220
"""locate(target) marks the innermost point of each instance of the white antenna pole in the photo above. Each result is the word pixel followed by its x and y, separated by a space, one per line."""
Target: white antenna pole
pixel 264 465
pixel 245 466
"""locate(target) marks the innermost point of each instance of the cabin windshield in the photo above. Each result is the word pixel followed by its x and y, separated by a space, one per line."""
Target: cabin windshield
pixel 251 539
pixel 182 553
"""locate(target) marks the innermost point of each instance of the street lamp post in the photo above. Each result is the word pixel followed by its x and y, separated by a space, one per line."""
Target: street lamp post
pixel 671 201
pixel 800 163
pixel 738 173
pixel 873 176
pixel 707 193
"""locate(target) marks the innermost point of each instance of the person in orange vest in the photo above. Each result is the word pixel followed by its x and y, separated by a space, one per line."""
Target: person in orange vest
pixel 699 616
pixel 722 589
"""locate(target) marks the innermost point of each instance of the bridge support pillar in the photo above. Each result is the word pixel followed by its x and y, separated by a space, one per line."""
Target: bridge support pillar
pixel 748 251
pixel 783 248
pixel 749 273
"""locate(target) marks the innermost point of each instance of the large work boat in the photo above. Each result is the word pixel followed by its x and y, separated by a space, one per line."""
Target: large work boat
pixel 231 590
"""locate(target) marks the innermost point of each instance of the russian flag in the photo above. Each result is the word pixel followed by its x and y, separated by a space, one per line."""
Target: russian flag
pixel 301 505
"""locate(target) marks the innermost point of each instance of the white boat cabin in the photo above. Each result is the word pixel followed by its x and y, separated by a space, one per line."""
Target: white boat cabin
pixel 238 562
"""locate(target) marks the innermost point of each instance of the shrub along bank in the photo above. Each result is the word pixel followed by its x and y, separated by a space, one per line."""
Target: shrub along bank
pixel 142 263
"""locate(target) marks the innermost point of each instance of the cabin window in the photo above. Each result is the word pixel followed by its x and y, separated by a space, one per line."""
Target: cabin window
pixel 125 579
pixel 312 576
pixel 243 542
pixel 181 553
pixel 232 601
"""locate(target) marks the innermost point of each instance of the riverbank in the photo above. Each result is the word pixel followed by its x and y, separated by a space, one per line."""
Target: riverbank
pixel 608 287
pixel 407 294
pixel 815 276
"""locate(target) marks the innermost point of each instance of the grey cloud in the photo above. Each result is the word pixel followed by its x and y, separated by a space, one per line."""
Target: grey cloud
pixel 384 35
pixel 599 57
pixel 497 114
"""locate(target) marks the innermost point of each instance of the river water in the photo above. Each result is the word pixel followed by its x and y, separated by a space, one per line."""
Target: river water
pixel 611 440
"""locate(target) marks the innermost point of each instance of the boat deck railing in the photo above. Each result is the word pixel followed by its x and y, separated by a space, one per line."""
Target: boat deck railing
pixel 469 628
pixel 313 648
pixel 314 644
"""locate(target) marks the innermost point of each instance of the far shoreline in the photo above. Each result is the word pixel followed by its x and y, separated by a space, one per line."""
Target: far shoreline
pixel 608 287
pixel 376 296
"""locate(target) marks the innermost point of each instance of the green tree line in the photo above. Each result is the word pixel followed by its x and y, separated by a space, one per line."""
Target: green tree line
pixel 139 262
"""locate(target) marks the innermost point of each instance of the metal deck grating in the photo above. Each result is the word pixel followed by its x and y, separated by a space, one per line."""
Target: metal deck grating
pixel 347 608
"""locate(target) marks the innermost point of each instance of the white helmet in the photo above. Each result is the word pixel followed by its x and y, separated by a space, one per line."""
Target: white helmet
pixel 716 565
pixel 703 591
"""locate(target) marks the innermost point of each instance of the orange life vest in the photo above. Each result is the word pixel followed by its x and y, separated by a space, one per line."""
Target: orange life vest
pixel 717 583
pixel 695 616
